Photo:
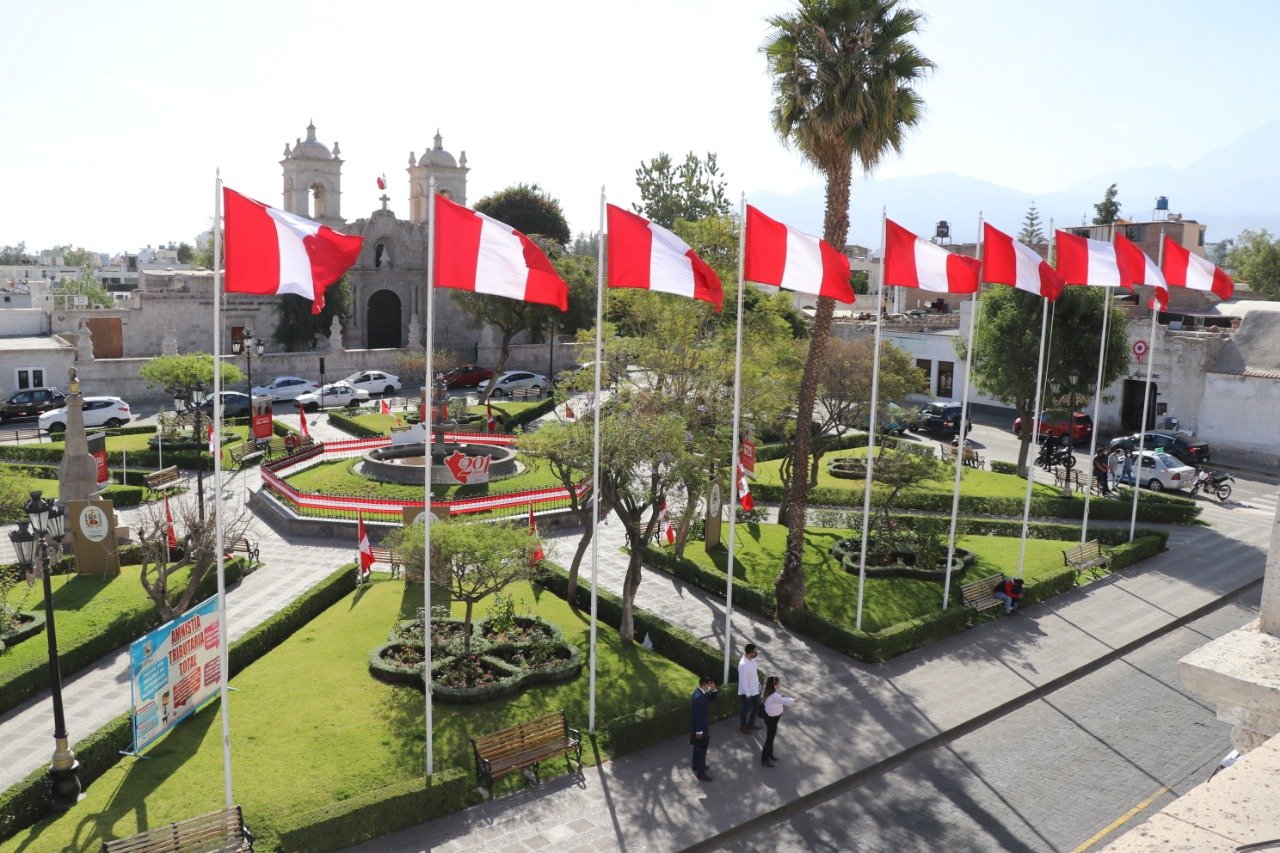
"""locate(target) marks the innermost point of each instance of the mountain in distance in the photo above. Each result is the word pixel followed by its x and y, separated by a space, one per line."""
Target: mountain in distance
pixel 1233 188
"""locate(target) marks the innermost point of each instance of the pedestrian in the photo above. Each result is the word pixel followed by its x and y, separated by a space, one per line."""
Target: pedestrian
pixel 1009 590
pixel 1102 472
pixel 1126 474
pixel 749 689
pixel 1117 466
pixel 700 729
pixel 774 702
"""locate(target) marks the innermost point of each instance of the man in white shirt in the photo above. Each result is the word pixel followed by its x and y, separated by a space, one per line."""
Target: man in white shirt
pixel 749 689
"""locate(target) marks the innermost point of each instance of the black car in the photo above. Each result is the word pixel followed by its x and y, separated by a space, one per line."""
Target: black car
pixel 1186 450
pixel 234 405
pixel 940 417
pixel 31 402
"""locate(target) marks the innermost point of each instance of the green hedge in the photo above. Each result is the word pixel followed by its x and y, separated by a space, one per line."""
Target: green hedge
pixel 351 426
pixel 1000 467
pixel 656 723
pixel 47 455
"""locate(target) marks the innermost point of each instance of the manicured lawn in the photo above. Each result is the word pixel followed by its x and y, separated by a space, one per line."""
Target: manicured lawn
pixel 310 726
pixel 339 478
pixel 833 592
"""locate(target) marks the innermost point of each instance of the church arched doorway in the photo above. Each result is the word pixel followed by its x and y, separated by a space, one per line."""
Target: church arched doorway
pixel 382 321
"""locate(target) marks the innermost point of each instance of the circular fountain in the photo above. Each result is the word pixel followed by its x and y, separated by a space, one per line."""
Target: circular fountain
pixel 402 462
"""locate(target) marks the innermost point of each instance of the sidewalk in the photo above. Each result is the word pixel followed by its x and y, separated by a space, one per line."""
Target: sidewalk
pixel 852 715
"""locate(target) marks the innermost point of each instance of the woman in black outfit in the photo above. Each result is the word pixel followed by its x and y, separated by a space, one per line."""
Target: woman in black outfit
pixel 774 702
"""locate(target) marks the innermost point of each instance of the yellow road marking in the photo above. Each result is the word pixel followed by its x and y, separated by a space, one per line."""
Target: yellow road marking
pixel 1120 821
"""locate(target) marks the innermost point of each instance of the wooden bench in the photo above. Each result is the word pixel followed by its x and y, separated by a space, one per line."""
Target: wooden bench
pixel 276 445
pixel 1068 475
pixel 246 454
pixel 972 459
pixel 1088 557
pixel 946 451
pixel 526 394
pixel 164 478
pixel 980 594
pixel 524 746
pixel 388 557
pixel 245 545
pixel 216 831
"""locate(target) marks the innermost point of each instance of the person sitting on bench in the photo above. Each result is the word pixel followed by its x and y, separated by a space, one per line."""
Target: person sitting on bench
pixel 1009 590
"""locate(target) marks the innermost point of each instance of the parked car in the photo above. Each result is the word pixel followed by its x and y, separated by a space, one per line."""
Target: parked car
pixel 1159 471
pixel 1055 426
pixel 235 404
pixel 1188 450
pixel 941 417
pixel 98 411
pixel 30 402
pixel 466 376
pixel 515 380
pixel 333 394
pixel 284 388
pixel 375 382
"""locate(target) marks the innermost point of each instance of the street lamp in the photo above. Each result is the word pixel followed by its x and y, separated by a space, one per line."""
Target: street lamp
pixel 197 397
pixel 46 518
pixel 248 344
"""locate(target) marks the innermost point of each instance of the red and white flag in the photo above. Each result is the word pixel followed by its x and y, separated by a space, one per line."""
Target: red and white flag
pixel 384 408
pixel 382 181
pixel 1082 260
pixel 272 252
pixel 538 556
pixel 208 436
pixel 483 255
pixel 302 421
pixel 667 530
pixel 645 255
pixel 744 491
pixel 1183 268
pixel 1006 261
pixel 568 412
pixel 171 540
pixel 912 262
pixel 490 422
pixel 781 256
pixel 366 550
pixel 1141 268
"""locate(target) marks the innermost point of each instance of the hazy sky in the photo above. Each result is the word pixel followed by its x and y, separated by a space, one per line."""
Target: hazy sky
pixel 120 112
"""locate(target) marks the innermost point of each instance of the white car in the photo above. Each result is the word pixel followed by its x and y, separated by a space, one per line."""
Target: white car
pixel 516 380
pixel 1160 471
pixel 98 411
pixel 333 394
pixel 285 388
pixel 375 382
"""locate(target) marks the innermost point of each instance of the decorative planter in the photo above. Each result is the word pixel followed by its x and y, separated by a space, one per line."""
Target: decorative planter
pixel 30 623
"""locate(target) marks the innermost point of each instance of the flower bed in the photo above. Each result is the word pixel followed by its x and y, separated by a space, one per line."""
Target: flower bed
pixel 26 624
pixel 900 563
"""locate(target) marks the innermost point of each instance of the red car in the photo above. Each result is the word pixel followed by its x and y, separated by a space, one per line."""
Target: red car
pixel 1055 426
pixel 466 376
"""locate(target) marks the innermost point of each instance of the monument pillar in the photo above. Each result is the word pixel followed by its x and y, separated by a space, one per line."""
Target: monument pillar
pixel 78 473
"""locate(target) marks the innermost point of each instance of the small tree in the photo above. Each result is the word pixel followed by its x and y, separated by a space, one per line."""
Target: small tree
pixel 1256 259
pixel 566 449
pixel 693 190
pixel 1031 234
pixel 1107 210
pixel 199 551
pixel 182 374
pixel 87 285
pixel 901 469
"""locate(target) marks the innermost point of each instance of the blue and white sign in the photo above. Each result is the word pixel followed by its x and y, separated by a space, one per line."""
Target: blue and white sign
pixel 173 670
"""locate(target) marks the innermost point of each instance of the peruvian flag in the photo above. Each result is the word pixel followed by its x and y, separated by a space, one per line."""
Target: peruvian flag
pixel 302 421
pixel 1141 268
pixel 1006 261
pixel 271 252
pixel 780 256
pixel 172 540
pixel 1182 268
pixel 382 181
pixel 384 408
pixel 643 254
pixel 668 530
pixel 912 262
pixel 538 556
pixel 568 412
pixel 476 253
pixel 744 491
pixel 208 435
pixel 366 550
pixel 1093 262
pixel 490 422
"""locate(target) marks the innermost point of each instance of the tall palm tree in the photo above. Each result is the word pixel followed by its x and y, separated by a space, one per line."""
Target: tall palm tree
pixel 844 73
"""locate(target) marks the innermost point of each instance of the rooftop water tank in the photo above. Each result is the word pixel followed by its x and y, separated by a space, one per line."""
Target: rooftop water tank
pixel 1162 202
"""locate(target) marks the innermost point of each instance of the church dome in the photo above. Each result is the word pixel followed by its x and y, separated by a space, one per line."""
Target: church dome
pixel 437 156
pixel 310 149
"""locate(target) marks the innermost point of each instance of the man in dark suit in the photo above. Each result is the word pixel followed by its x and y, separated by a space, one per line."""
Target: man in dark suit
pixel 700 732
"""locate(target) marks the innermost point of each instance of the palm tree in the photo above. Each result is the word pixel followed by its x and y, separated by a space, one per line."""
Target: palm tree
pixel 844 72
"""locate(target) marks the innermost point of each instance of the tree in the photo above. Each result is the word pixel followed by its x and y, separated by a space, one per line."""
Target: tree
pixel 480 559
pixel 1106 211
pixel 297 328
pixel 14 255
pixel 844 73
pixel 585 244
pixel 185 253
pixel 528 209
pixel 1031 234
pixel 567 450
pixel 691 191
pixel 182 374
pixel 904 469
pixel 160 573
pixel 87 285
pixel 1256 260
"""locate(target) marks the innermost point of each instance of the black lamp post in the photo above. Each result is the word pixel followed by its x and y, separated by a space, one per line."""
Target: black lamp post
pixel 248 344
pixel 47 519
pixel 197 397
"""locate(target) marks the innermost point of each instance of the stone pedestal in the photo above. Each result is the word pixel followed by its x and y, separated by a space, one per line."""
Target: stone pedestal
pixel 78 473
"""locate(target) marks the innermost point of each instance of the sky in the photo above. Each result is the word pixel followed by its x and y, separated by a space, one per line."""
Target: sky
pixel 120 113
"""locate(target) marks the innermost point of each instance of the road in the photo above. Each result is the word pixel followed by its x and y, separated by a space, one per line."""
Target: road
pixel 1069 771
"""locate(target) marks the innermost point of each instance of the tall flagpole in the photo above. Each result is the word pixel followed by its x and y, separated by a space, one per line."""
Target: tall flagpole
pixel 871 433
pixel 734 454
pixel 1097 399
pixel 595 469
pixel 964 421
pixel 217 486
pixel 1035 420
pixel 1146 393
pixel 427 423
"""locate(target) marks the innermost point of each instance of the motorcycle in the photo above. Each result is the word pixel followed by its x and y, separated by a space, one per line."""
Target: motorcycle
pixel 1215 482
pixel 1053 453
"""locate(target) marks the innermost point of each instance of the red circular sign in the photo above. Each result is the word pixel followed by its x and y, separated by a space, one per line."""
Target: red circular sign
pixel 1139 348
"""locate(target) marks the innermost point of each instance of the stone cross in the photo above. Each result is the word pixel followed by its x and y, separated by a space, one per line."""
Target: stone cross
pixel 384 199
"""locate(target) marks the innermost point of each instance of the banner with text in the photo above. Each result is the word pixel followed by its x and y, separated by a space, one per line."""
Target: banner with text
pixel 173 670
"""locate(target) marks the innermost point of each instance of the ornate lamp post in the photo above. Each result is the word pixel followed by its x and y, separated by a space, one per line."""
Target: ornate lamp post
pixel 46 519
pixel 248 344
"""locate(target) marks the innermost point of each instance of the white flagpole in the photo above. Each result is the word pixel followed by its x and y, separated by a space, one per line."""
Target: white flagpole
pixel 595 470
pixel 1146 394
pixel 871 433
pixel 1035 420
pixel 734 453
pixel 964 421
pixel 217 486
pixel 427 419
pixel 1097 401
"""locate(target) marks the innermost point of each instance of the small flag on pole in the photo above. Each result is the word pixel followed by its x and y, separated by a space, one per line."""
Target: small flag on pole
pixel 366 550
pixel 302 420
pixel 744 491
pixel 384 408
pixel 643 254
pixel 213 448
pixel 668 529
pixel 568 412
pixel 172 540
pixel 538 556
pixel 490 422
pixel 382 181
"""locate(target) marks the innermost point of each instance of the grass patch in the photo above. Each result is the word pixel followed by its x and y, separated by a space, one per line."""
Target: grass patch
pixel 340 478
pixel 296 748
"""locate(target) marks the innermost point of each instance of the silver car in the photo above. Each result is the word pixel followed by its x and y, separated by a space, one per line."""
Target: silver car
pixel 516 380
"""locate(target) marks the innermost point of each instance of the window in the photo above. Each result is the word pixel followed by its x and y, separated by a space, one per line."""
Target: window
pixel 29 377
pixel 946 369
pixel 926 367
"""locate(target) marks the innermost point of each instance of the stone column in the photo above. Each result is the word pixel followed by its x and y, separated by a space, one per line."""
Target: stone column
pixel 78 473
pixel 415 332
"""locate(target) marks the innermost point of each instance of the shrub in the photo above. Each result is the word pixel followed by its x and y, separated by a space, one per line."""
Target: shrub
pixel 1001 467
pixel 350 425
pixel 656 723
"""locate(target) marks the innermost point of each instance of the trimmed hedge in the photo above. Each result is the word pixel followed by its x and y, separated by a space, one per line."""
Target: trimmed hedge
pixel 1000 467
pixel 35 626
pixel 350 425
pixel 656 723
pixel 44 454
